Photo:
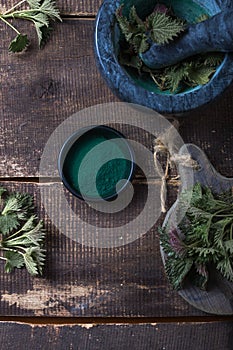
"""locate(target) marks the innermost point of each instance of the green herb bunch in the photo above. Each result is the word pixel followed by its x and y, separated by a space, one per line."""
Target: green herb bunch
pixel 40 13
pixel 202 240
pixel 22 235
pixel 160 27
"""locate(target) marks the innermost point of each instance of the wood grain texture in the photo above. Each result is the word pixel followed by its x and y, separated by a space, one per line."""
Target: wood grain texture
pixel 71 7
pixel 202 336
pixel 40 89
pixel 211 129
pixel 83 281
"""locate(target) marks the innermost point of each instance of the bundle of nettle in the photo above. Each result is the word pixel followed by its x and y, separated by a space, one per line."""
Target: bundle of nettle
pixel 38 12
pixel 21 233
pixel 202 240
pixel 161 27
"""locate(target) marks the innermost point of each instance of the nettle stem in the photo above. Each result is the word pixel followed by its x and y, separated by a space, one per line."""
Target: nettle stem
pixel 14 250
pixel 13 236
pixel 17 13
pixel 10 25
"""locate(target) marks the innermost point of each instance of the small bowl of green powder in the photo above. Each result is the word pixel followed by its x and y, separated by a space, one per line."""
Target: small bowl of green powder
pixel 96 163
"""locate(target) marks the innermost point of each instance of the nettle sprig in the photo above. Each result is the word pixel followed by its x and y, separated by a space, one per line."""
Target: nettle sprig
pixel 158 27
pixel 162 27
pixel 22 234
pixel 202 241
pixel 40 13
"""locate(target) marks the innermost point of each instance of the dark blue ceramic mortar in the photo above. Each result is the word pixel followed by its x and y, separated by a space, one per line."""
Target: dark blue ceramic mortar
pixel 129 86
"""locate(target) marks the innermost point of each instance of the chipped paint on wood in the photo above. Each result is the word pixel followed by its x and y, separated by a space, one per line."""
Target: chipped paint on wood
pixel 87 325
pixel 44 297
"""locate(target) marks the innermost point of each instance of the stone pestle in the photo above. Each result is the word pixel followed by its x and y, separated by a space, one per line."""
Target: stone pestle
pixel 213 34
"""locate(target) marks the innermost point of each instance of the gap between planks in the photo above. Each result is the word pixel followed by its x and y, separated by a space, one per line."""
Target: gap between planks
pixel 139 180
pixel 79 16
pixel 114 320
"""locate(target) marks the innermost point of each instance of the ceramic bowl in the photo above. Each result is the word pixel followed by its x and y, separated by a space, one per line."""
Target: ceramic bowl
pixel 128 85
pixel 96 163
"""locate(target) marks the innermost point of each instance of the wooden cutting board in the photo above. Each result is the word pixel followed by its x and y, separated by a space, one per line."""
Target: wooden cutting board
pixel 218 299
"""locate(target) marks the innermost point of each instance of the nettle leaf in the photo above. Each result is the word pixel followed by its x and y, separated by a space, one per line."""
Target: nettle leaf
pixel 34 3
pixel 15 209
pixel 196 194
pixel 202 18
pixel 45 33
pixel 22 234
pixel 175 75
pixel 14 260
pixel 144 45
pixel 38 256
pixel 177 269
pixel 30 263
pixel 205 252
pixel 201 75
pixel 34 258
pixel 12 205
pixel 39 27
pixel 219 229
pixel 19 44
pixel 30 234
pixel 149 20
pixel 135 20
pixel 41 18
pixel 164 28
pixel 202 276
pixel 213 59
pixel 165 240
pixel 226 268
pixel 8 223
pixel 36 234
pixel 48 7
pixel 198 213
pixel 228 245
pixel 139 42
pixel 29 224
pixel 18 203
pixel 124 25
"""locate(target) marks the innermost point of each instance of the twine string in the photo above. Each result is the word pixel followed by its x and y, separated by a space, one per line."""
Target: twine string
pixel 162 147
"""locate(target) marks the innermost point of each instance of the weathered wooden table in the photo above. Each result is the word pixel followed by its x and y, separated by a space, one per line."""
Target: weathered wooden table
pixel 90 298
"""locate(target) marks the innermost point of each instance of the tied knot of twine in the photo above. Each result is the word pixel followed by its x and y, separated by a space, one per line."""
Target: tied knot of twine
pixel 171 160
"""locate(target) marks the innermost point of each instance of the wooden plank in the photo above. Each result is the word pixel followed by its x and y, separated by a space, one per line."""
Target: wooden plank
pixel 79 8
pixel 72 7
pixel 202 336
pixel 78 280
pixel 210 127
pixel 52 90
pixel 40 89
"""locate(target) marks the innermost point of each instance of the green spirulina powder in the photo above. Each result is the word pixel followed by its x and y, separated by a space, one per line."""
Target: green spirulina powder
pixel 94 167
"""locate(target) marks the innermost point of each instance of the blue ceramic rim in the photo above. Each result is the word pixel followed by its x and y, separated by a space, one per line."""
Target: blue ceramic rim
pixel 117 78
pixel 69 143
